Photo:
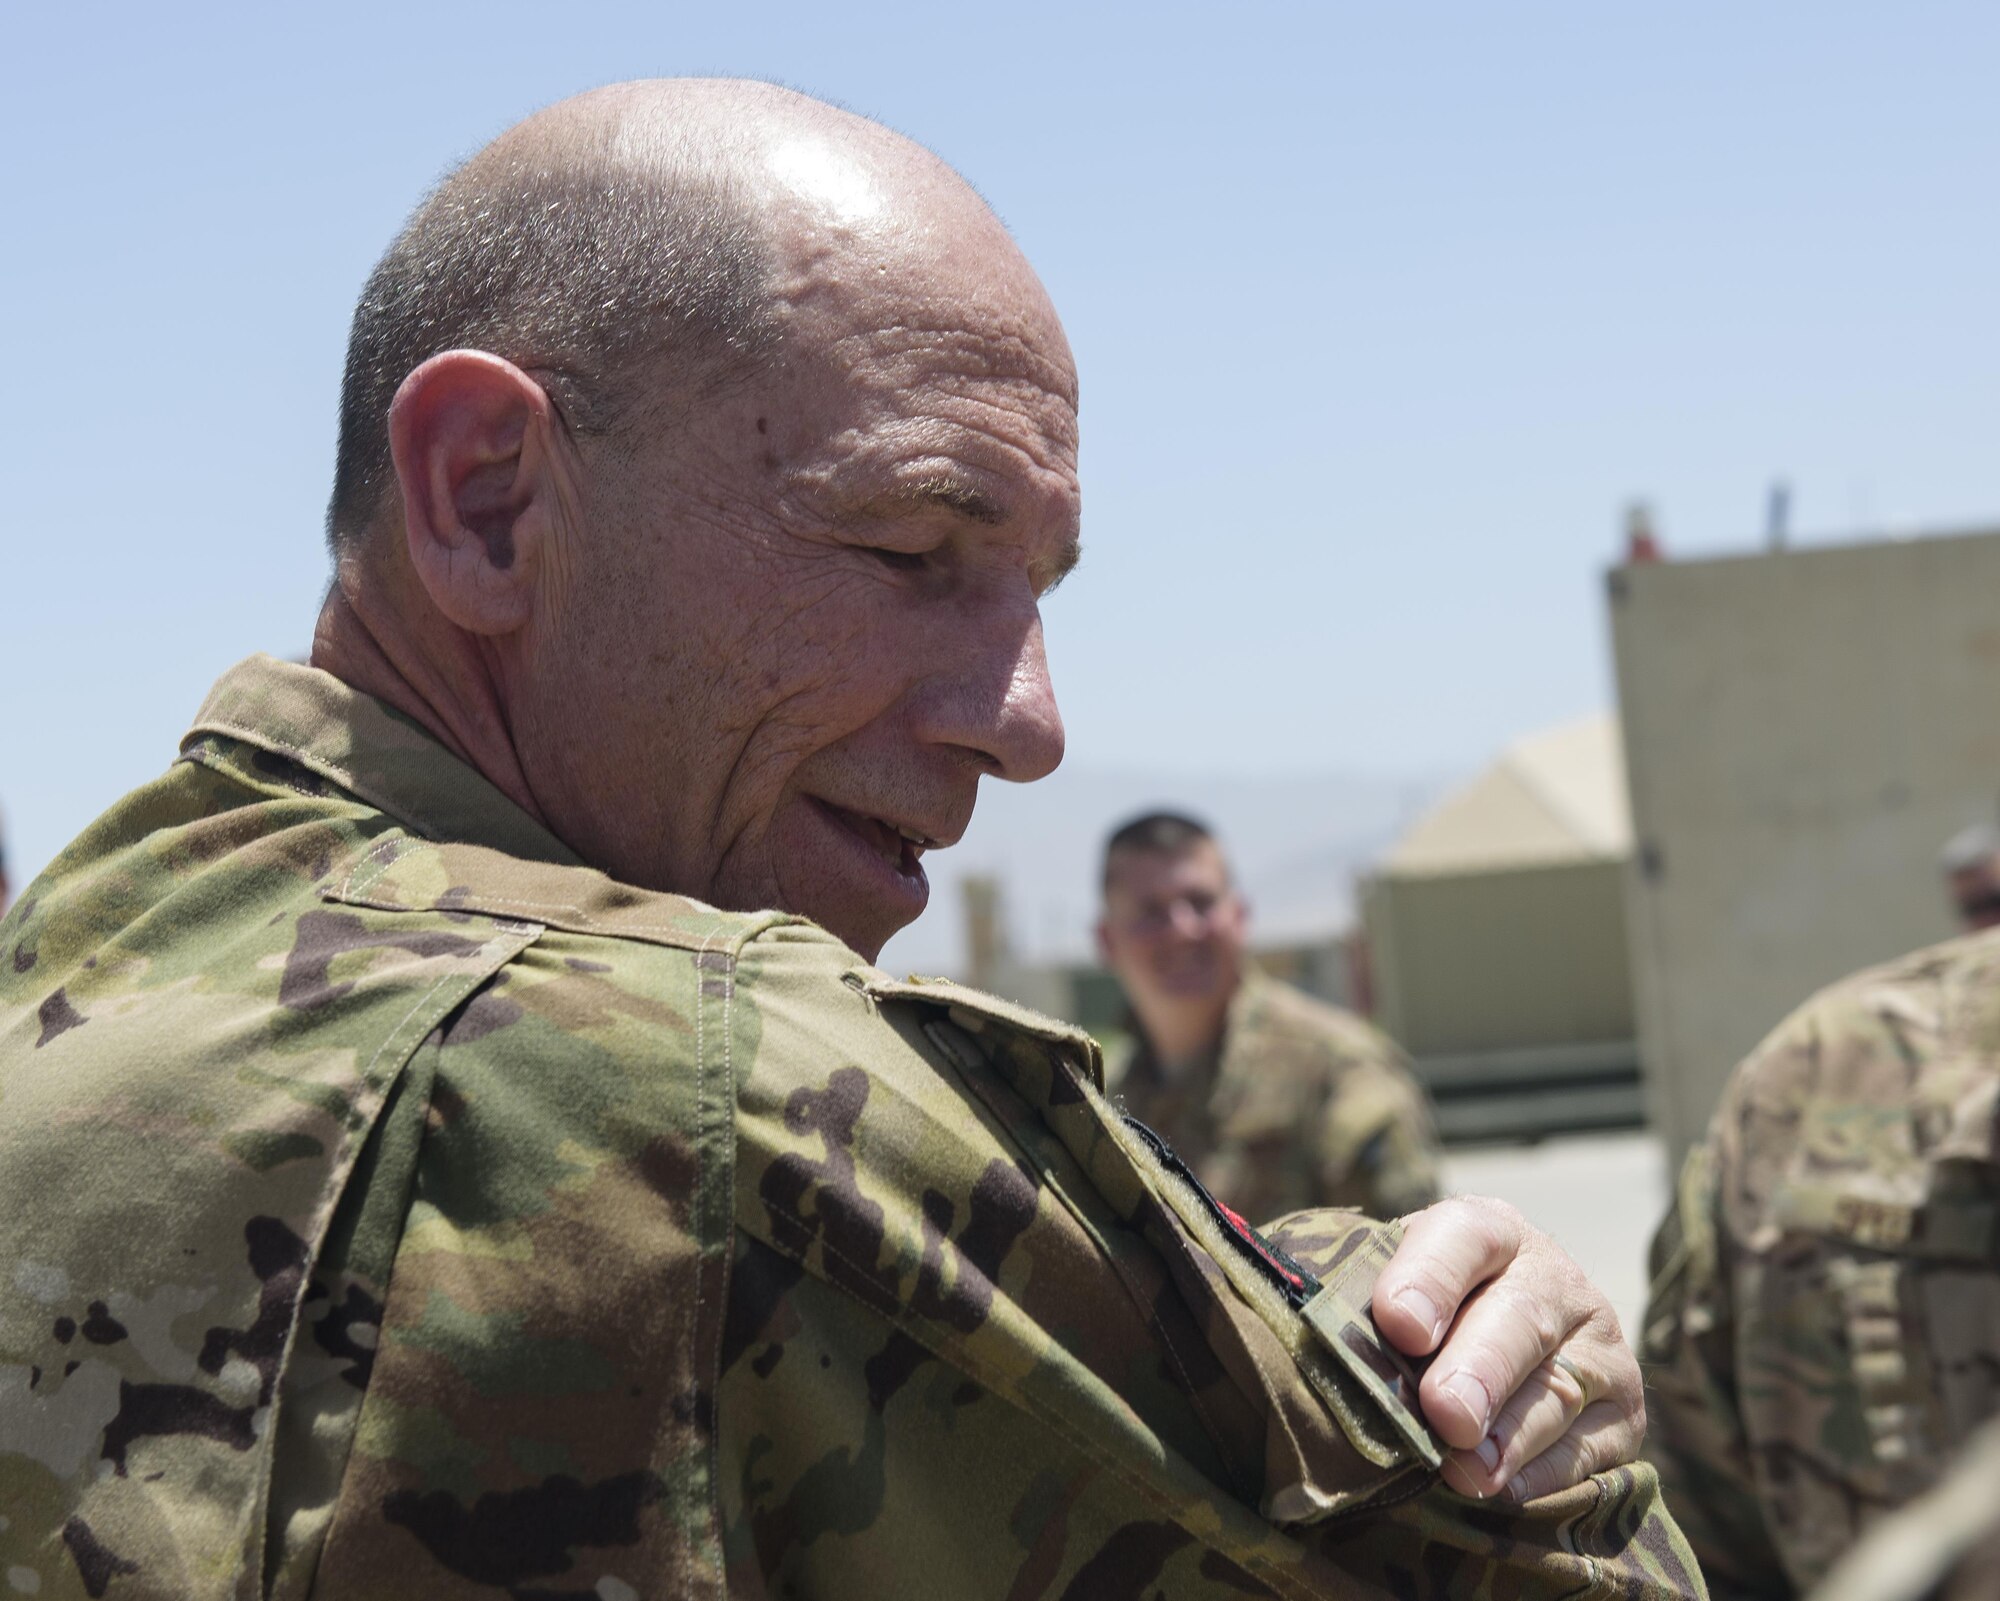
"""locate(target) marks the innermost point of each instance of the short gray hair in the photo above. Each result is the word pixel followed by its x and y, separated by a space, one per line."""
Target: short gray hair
pixel 571 268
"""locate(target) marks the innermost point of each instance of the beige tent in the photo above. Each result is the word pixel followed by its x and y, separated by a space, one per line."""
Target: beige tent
pixel 1556 796
pixel 1496 929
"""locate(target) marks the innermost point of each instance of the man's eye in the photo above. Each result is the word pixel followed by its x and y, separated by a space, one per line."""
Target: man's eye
pixel 903 561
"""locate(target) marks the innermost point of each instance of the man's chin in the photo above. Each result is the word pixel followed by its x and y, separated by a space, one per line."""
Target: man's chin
pixel 862 923
pixel 843 881
pixel 861 933
pixel 1192 989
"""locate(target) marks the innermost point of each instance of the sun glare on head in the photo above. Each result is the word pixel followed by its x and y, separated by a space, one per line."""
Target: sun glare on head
pixel 822 175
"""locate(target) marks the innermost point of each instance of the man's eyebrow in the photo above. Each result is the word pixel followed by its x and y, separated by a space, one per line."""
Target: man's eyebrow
pixel 1061 565
pixel 955 494
pixel 951 493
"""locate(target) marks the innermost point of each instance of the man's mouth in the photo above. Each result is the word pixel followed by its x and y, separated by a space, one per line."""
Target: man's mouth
pixel 900 846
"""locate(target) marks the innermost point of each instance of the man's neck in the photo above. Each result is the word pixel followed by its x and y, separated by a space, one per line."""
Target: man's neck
pixel 1180 1033
pixel 448 688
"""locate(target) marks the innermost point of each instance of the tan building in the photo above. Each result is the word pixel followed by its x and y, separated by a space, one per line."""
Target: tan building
pixel 1803 729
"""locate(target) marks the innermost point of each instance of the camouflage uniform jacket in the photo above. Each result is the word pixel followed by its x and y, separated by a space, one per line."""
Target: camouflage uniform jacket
pixel 1825 1320
pixel 1301 1105
pixel 392 1206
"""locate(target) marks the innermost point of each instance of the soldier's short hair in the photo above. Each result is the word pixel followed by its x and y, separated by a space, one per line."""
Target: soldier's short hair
pixel 1164 833
pixel 1969 848
pixel 571 266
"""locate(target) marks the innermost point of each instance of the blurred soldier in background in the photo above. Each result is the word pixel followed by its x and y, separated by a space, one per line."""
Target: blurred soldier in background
pixel 1821 1334
pixel 1971 865
pixel 1276 1100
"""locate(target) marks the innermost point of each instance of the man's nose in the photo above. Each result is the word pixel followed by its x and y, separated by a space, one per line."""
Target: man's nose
pixel 1029 742
pixel 1189 921
pixel 1000 704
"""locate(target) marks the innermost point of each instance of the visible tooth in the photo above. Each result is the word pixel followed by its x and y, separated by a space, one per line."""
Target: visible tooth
pixel 913 836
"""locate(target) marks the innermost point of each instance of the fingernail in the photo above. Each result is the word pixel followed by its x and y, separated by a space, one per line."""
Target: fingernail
pixel 1517 1488
pixel 1488 1452
pixel 1466 1389
pixel 1423 1309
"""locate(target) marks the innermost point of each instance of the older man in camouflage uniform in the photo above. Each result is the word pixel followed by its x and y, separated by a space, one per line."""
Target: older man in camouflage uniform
pixel 1826 1306
pixel 1276 1100
pixel 407 1188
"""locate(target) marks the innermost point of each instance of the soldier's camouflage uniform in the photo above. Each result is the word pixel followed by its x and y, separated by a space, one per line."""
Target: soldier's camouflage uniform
pixel 1302 1105
pixel 392 1206
pixel 1945 1547
pixel 1825 1321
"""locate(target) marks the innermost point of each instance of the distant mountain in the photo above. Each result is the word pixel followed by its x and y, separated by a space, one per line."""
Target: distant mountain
pixel 1297 840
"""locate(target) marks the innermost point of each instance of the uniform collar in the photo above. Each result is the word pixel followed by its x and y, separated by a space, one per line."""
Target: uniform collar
pixel 373 752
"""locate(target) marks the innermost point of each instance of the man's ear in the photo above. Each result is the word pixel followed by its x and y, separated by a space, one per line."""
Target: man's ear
pixel 475 442
pixel 1103 932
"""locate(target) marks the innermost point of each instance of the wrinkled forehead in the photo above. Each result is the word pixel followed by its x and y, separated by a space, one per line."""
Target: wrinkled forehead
pixel 874 250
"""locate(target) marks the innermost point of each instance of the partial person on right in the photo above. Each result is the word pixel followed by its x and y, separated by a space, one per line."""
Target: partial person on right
pixel 1971 865
pixel 1822 1333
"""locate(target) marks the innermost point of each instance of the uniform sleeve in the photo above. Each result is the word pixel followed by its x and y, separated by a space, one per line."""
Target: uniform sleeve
pixel 1607 1537
pixel 985 1337
pixel 870 1461
pixel 1610 1536
pixel 1696 1438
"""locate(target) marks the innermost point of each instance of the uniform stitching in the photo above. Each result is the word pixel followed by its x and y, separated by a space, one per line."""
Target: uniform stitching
pixel 702 1201
pixel 258 736
pixel 368 1072
pixel 728 1246
pixel 354 886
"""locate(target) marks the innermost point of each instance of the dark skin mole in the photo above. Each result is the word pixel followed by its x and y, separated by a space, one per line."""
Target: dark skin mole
pixel 763 425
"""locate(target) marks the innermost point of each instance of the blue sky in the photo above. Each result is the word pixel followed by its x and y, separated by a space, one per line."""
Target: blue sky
pixel 1382 314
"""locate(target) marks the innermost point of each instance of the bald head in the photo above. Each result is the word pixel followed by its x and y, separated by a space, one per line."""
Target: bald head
pixel 634 248
pixel 706 453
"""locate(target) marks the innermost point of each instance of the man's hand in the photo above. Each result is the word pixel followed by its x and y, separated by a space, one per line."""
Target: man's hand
pixel 1534 1384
